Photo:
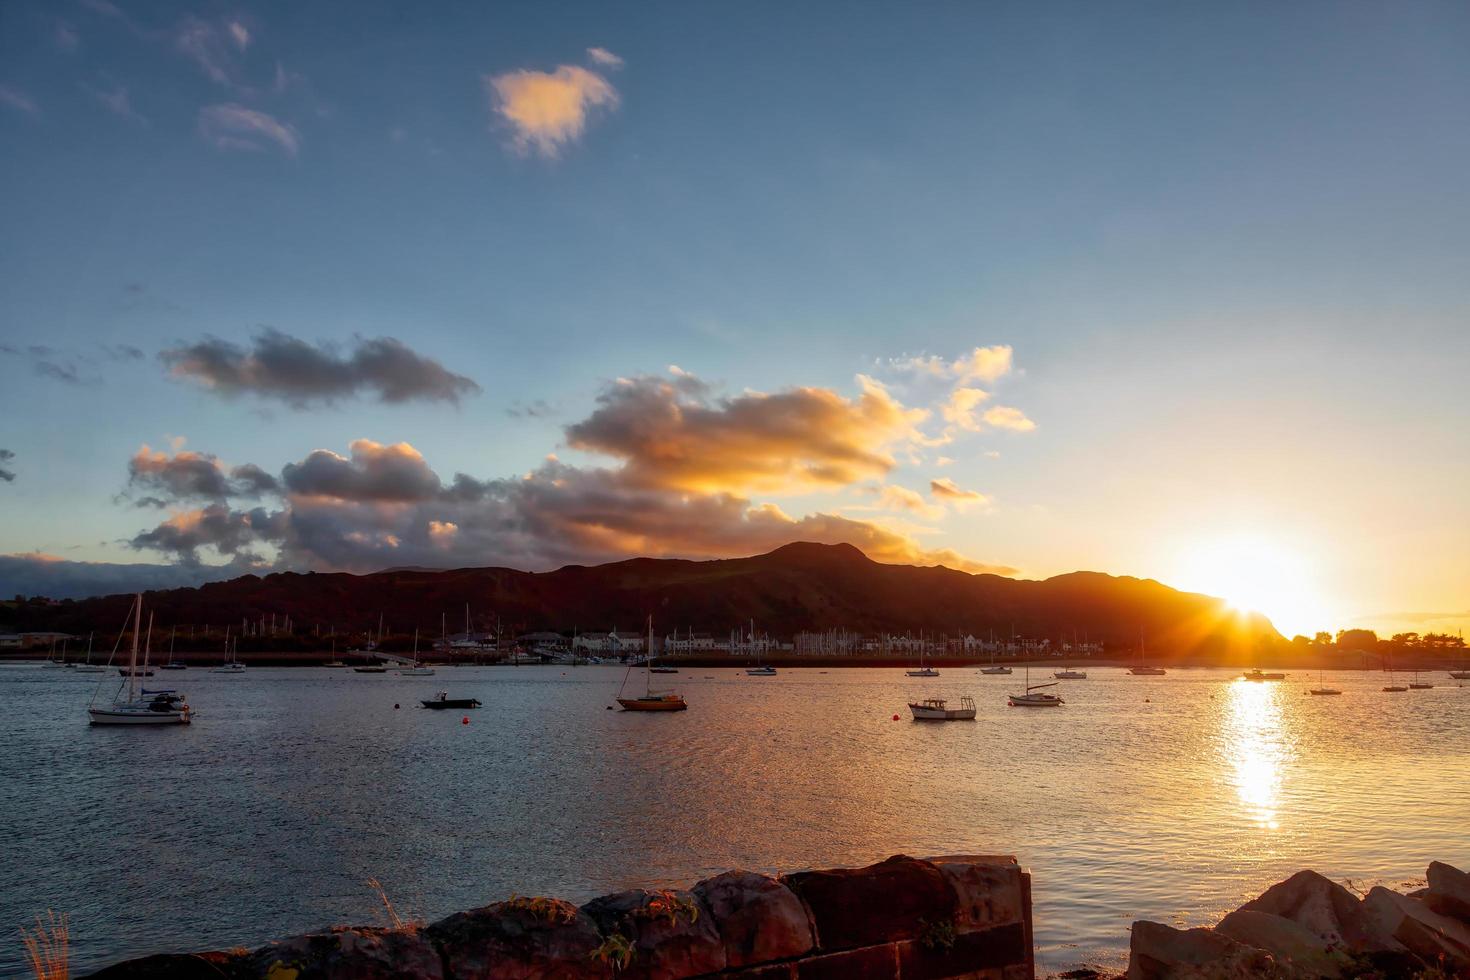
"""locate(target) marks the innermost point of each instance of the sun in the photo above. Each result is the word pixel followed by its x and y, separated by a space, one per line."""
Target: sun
pixel 1258 575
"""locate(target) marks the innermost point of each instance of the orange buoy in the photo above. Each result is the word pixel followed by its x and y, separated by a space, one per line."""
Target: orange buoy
pixel 895 717
pixel 465 720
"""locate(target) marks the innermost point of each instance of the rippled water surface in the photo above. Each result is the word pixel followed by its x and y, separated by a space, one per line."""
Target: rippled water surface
pixel 1173 798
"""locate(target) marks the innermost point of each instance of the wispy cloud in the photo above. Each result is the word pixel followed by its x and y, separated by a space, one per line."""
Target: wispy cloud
pixel 116 101
pixel 231 126
pixel 986 364
pixel 548 110
pixel 604 57
pixel 210 47
pixel 65 37
pixel 280 367
pixel 1006 417
pixel 946 489
pixel 239 33
pixel 6 473
pixel 13 98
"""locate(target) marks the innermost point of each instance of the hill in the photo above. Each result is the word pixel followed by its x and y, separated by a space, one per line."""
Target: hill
pixel 797 587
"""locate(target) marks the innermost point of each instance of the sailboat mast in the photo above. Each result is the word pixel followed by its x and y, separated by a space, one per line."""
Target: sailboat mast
pixel 648 660
pixel 137 627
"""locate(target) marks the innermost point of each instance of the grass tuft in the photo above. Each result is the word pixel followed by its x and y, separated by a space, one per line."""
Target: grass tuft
pixel 49 947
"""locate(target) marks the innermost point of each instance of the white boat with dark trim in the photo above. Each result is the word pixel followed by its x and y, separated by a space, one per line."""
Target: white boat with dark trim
pixel 937 709
pixel 1031 699
pixel 1070 674
pixel 140 706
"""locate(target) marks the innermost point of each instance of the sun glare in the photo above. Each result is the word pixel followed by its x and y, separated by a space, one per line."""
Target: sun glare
pixel 1256 575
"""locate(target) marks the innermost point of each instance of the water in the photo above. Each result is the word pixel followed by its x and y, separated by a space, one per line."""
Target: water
pixel 1173 798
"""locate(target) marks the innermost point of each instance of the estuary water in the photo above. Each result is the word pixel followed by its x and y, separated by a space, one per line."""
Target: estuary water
pixel 1173 798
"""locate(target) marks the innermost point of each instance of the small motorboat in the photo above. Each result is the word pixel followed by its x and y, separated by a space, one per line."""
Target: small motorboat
pixel 1146 671
pixel 766 671
pixel 937 709
pixel 665 670
pixel 443 700
pixel 229 667
pixel 370 669
pixel 993 669
pixel 1070 674
pixel 1257 675
pixel 923 672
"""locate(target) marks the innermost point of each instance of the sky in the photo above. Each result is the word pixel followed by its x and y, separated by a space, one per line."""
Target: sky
pixel 1174 291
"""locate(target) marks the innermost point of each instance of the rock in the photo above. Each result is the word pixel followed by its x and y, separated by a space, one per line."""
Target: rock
pixel 1327 910
pixel 988 889
pixel 1449 891
pixel 1160 952
pixel 1437 939
pixel 758 918
pixel 891 900
pixel 1294 947
pixel 671 933
pixel 350 954
pixel 518 940
pixel 177 966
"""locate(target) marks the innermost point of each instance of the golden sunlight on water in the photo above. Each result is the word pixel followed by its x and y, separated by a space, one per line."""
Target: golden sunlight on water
pixel 1256 748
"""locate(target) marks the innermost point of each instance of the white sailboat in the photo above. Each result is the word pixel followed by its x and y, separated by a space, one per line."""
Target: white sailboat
pixel 994 668
pixel 86 666
pixel 416 669
pixel 1142 668
pixel 1322 688
pixel 140 706
pixel 924 669
pixel 233 664
pixel 1033 700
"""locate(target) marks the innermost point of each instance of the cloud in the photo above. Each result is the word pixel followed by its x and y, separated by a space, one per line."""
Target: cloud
pixel 686 463
pixel 671 434
pixel 945 489
pixel 986 364
pixel 960 409
pixel 893 497
pixel 1005 417
pixel 116 101
pixel 209 47
pixel 187 476
pixel 14 98
pixel 41 574
pixel 6 473
pixel 605 57
pixel 239 33
pixel 943 460
pixel 547 110
pixel 230 126
pixel 281 367
pixel 65 37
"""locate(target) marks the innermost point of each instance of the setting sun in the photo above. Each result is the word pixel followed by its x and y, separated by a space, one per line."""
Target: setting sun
pixel 1256 575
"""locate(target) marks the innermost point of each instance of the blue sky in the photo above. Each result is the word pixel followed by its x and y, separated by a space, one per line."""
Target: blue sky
pixel 1226 245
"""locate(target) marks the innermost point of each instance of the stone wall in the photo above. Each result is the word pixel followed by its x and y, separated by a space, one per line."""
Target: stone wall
pixel 956 916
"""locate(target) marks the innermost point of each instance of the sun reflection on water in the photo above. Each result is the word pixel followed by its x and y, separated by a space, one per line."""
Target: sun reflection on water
pixel 1256 744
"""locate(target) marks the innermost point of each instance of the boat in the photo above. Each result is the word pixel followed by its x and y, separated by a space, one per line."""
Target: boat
pixel 1142 668
pixel 1322 688
pixel 51 660
pixel 1395 688
pixel 1416 685
pixel 651 700
pixel 334 663
pixel 442 700
pixel 765 670
pixel 1257 675
pixel 416 669
pixel 135 671
pixel 1070 674
pixel 994 668
pixel 924 670
pixel 370 669
pixel 232 665
pixel 1033 700
pixel 937 709
pixel 86 666
pixel 1460 675
pixel 140 706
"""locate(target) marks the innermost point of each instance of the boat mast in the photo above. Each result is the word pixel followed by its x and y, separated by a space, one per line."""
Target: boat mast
pixel 137 626
pixel 648 660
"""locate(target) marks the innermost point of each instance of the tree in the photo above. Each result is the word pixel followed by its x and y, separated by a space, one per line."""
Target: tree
pixel 1406 639
pixel 1323 638
pixel 1357 639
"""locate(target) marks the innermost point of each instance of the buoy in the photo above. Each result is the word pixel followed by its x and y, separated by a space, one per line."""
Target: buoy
pixel 895 717
pixel 608 708
pixel 465 720
pixel 395 707
pixel 1147 701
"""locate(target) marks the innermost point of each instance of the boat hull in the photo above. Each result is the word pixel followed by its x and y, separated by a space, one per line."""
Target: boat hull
pixel 658 704
pixel 1147 671
pixel 113 716
pixel 1325 691
pixel 451 703
pixel 1019 701
pixel 921 713
pixel 922 673
pixel 1460 675
pixel 995 670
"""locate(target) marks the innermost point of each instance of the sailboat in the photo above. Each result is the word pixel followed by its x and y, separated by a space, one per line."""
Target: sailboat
pixel 924 669
pixel 416 669
pixel 233 664
pixel 1070 674
pixel 51 660
pixel 165 707
pixel 86 666
pixel 172 663
pixel 1142 668
pixel 1415 685
pixel 1460 675
pixel 760 669
pixel 1393 688
pixel 651 700
pixel 1322 688
pixel 993 668
pixel 648 660
pixel 1033 700
pixel 334 662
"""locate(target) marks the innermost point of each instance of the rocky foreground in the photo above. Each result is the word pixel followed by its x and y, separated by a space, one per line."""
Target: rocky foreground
pixel 959 916
pixel 1310 927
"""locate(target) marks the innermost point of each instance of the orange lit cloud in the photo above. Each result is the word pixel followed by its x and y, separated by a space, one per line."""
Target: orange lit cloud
pixel 946 489
pixel 1005 417
pixel 547 110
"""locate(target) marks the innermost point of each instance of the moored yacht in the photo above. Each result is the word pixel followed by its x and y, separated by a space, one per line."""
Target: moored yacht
pixel 134 706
